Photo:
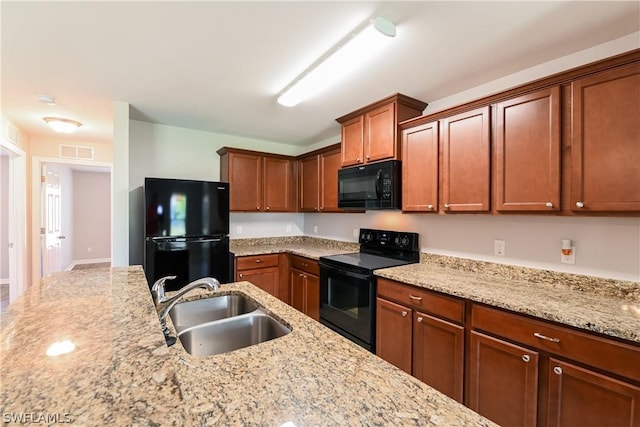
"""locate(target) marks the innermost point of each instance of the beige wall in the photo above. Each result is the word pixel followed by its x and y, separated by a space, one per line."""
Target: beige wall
pixel 91 215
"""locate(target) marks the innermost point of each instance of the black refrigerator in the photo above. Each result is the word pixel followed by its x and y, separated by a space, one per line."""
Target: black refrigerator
pixel 186 231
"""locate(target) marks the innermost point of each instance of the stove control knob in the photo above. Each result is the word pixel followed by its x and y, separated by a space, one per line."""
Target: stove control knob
pixel 405 240
pixel 397 241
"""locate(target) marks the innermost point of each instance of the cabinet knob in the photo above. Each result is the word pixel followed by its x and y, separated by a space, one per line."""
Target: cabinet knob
pixel 358 159
pixel 404 314
pixel 549 204
pixel 580 204
pixel 321 208
pixel 430 207
pixel 419 319
pixel 557 370
pixel 257 208
pixel 240 275
pixel 446 205
pixel 526 358
pixel 300 274
pixel 258 261
pixel 267 208
pixel 367 157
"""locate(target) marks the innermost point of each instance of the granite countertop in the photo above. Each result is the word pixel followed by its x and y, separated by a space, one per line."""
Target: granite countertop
pixel 305 246
pixel 598 305
pixel 121 372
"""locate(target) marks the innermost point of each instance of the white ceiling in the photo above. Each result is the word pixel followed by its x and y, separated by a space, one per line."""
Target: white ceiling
pixel 218 66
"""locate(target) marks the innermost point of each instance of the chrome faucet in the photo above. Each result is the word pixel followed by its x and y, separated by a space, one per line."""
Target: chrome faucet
pixel 165 304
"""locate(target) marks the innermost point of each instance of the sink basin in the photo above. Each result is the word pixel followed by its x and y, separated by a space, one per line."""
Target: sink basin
pixel 231 334
pixel 187 314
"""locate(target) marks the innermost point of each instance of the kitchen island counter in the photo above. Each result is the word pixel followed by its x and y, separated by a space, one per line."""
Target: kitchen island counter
pixel 121 372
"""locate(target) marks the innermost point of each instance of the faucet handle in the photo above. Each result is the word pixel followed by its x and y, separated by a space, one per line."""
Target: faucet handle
pixel 157 290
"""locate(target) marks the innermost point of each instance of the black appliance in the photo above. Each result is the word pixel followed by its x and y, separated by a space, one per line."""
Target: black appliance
pixel 348 285
pixel 371 186
pixel 186 231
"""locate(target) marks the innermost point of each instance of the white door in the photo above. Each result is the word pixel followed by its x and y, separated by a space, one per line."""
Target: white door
pixel 51 222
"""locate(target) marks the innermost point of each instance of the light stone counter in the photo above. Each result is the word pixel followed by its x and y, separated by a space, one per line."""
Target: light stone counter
pixel 305 246
pixel 599 305
pixel 122 373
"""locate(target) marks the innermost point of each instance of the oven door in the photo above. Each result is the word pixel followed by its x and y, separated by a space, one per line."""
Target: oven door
pixel 347 303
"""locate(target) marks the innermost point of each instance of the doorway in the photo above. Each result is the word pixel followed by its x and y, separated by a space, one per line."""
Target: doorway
pixel 60 217
pixel 13 230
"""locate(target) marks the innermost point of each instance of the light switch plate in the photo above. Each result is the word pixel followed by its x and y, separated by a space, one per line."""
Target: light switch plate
pixel 499 247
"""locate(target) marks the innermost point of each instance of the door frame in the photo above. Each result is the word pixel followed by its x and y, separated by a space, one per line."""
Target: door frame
pixel 36 167
pixel 17 216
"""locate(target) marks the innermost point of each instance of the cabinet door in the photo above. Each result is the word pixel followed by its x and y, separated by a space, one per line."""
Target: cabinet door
pixel 245 178
pixel 503 381
pixel 465 164
pixel 352 141
pixel 264 278
pixel 329 165
pixel 393 333
pixel 277 183
pixel 312 296
pixel 438 354
pixel 580 397
pixel 309 183
pixel 380 133
pixel 527 167
pixel 420 168
pixel 297 289
pixel 605 153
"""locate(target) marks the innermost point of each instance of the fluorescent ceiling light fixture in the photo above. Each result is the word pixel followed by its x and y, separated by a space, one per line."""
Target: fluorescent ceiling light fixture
pixel 348 55
pixel 62 125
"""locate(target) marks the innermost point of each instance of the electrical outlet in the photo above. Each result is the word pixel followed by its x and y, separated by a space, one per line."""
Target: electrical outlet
pixel 315 229
pixel 356 233
pixel 239 229
pixel 569 259
pixel 288 229
pixel 499 247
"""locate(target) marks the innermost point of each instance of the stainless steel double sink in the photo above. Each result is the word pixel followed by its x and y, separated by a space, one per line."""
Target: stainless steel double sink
pixel 221 324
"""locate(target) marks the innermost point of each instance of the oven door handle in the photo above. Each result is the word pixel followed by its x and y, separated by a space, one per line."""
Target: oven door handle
pixel 342 271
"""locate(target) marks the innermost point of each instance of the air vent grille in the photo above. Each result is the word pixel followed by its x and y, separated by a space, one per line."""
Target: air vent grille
pixel 76 152
pixel 13 134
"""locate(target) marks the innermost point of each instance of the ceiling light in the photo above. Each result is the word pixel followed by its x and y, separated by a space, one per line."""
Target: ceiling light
pixel 345 57
pixel 62 125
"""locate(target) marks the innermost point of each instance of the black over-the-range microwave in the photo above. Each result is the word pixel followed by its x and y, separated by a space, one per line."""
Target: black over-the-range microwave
pixel 370 186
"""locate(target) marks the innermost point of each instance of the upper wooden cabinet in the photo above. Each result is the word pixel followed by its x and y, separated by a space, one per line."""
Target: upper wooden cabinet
pixel 527 152
pixel 259 182
pixel 371 133
pixel 420 168
pixel 465 161
pixel 318 180
pixel 605 151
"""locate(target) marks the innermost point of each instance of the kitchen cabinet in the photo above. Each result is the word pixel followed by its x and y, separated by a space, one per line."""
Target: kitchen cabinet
pixel 537 367
pixel 465 149
pixel 318 180
pixel 371 133
pixel 527 156
pixel 605 151
pixel 420 168
pixel 258 182
pixel 503 381
pixel 264 271
pixel 420 332
pixel 305 286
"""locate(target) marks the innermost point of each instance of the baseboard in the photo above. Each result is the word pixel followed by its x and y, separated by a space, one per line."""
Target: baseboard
pixel 4 281
pixel 86 261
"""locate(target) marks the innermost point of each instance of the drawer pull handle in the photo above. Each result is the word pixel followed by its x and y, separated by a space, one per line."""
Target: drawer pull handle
pixel 430 207
pixel 415 298
pixel 580 204
pixel 557 370
pixel 304 264
pixel 300 274
pixel 404 314
pixel 526 358
pixel 549 204
pixel 419 319
pixel 240 275
pixel 544 337
pixel 258 261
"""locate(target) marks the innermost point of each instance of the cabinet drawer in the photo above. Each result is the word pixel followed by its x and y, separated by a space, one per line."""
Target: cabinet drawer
pixel 612 356
pixel 256 261
pixel 304 264
pixel 429 302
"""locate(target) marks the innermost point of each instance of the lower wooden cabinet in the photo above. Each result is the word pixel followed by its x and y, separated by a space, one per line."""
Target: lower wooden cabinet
pixel 503 381
pixel 582 397
pixel 426 346
pixel 305 286
pixel 264 271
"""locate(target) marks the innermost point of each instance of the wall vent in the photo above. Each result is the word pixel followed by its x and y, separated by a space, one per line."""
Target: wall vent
pixel 13 134
pixel 76 152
